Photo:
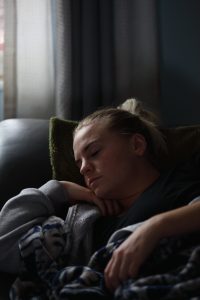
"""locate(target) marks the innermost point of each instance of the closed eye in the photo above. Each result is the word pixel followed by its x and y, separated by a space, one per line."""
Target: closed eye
pixel 93 154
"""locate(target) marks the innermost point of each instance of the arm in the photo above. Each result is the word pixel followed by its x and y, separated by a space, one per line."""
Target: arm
pixel 77 193
pixel 132 253
pixel 19 214
pixel 178 221
pixel 33 206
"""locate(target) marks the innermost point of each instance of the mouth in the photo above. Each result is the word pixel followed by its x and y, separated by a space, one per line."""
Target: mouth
pixel 92 181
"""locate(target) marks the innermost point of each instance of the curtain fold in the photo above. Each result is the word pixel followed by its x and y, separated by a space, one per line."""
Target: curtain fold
pixel 9 72
pixel 106 52
pixel 28 68
pixel 63 56
pixel 70 57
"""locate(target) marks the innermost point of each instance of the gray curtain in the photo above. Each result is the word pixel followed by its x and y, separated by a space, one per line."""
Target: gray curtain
pixel 28 60
pixel 105 52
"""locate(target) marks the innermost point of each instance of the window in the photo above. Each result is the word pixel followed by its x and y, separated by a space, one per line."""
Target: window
pixel 1 55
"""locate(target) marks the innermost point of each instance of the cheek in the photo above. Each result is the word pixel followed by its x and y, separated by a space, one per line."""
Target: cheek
pixel 110 163
pixel 121 159
pixel 116 162
pixel 117 167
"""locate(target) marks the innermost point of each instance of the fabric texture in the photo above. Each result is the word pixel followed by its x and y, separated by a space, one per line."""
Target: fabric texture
pixel 183 142
pixel 30 24
pixel 30 207
pixel 171 272
pixel 61 151
pixel 100 58
pixel 62 157
pixel 24 156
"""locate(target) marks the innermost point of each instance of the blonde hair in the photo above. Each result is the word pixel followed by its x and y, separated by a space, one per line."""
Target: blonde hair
pixel 136 107
pixel 128 118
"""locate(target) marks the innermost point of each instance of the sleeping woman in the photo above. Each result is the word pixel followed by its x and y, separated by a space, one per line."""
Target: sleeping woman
pixel 116 151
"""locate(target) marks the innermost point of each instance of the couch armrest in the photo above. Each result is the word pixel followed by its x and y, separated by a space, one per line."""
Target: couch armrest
pixel 24 155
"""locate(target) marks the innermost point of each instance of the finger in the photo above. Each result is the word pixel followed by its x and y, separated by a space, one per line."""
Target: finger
pixel 108 206
pixel 100 205
pixel 127 268
pixel 112 280
pixel 112 207
pixel 117 208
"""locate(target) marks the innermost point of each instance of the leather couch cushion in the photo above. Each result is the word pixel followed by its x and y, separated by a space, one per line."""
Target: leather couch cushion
pixel 24 155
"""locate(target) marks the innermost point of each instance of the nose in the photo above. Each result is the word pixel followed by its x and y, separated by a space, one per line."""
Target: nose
pixel 85 167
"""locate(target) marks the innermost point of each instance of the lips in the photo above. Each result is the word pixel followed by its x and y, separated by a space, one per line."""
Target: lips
pixel 91 181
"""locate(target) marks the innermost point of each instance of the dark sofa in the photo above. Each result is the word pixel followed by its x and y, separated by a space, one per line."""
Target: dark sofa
pixel 25 158
pixel 24 162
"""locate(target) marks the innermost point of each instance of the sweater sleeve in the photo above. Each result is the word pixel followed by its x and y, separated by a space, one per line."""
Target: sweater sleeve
pixel 20 213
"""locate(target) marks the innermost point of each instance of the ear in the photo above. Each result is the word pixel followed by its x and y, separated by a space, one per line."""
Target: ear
pixel 139 144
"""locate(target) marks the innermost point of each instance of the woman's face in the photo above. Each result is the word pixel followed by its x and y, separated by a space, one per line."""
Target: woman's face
pixel 107 161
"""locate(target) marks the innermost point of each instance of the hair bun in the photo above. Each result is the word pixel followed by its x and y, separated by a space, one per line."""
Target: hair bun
pixel 135 107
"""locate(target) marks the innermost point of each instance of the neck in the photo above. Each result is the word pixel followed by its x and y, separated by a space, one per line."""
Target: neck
pixel 147 180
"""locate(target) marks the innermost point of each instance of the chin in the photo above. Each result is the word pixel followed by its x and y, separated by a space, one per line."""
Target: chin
pixel 103 194
pixel 99 192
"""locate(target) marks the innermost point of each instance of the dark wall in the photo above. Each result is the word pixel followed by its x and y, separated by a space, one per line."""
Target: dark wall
pixel 179 42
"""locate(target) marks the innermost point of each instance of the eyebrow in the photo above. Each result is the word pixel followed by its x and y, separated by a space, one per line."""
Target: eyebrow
pixel 85 149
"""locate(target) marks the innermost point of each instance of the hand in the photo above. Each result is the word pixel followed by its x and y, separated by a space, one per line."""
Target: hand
pixel 132 253
pixel 127 259
pixel 78 193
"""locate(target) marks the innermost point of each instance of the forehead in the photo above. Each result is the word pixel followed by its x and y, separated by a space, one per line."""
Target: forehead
pixel 90 133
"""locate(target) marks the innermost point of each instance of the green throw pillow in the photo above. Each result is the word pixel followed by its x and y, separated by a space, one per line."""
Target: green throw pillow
pixel 61 150
pixel 183 142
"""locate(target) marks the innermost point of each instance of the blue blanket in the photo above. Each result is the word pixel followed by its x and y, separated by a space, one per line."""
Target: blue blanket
pixel 172 271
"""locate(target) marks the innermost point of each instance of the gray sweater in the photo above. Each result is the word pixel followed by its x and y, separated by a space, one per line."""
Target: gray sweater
pixel 20 213
pixel 34 206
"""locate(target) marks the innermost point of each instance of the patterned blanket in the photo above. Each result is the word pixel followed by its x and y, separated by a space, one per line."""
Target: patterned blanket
pixel 172 271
